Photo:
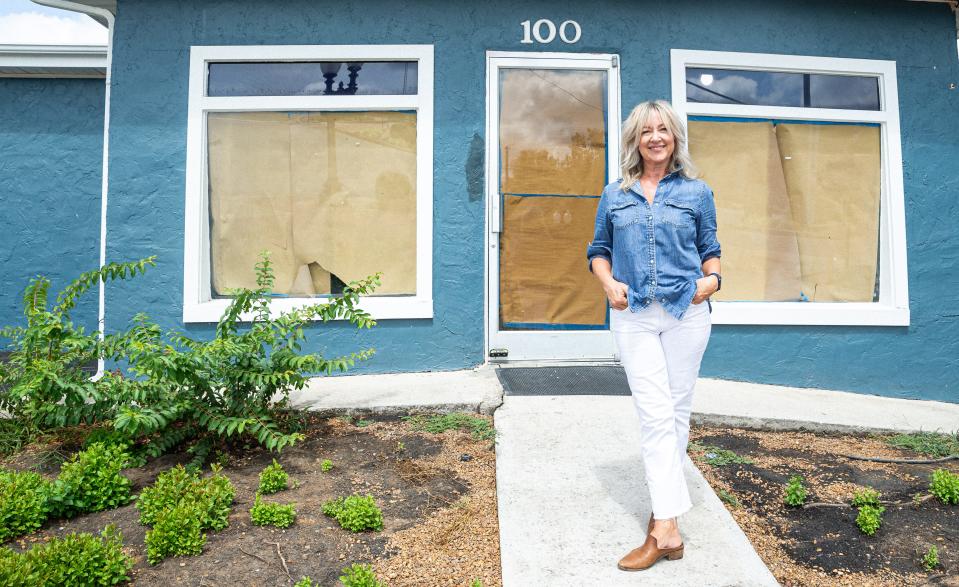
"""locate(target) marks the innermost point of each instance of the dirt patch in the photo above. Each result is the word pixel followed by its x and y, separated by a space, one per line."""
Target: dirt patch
pixel 429 492
pixel 822 546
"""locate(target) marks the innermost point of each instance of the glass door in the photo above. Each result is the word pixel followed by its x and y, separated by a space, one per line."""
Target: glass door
pixel 553 128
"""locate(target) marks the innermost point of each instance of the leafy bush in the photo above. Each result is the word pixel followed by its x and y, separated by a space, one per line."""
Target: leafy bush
pixel 91 481
pixel 355 513
pixel 869 519
pixel 945 486
pixel 326 466
pixel 930 560
pixel 480 428
pixel 795 492
pixel 212 496
pixel 272 514
pixel 23 503
pixel 176 531
pixel 42 383
pixel 272 479
pixel 76 560
pixel 360 576
pixel 233 385
pixel 927 443
pixel 867 496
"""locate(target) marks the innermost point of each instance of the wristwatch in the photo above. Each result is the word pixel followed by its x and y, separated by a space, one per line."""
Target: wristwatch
pixel 719 280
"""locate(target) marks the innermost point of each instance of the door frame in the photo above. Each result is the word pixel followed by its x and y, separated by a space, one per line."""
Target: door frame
pixel 540 341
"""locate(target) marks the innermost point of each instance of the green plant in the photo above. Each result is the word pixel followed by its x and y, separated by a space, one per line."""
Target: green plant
pixel 23 503
pixel 272 479
pixel 716 456
pixel 400 446
pixel 728 497
pixel 360 576
pixel 363 423
pixel 869 519
pixel 91 481
pixel 945 485
pixel 927 443
pixel 480 428
pixel 272 514
pixel 796 493
pixel 326 465
pixel 867 496
pixel 43 383
pixel 930 560
pixel 304 582
pixel 76 560
pixel 476 583
pixel 176 531
pixel 355 513
pixel 212 496
pixel 236 384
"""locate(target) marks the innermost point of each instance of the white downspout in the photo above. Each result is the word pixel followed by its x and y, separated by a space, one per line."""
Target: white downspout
pixel 107 16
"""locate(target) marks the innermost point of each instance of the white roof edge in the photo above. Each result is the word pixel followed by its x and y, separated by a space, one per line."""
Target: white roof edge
pixel 53 61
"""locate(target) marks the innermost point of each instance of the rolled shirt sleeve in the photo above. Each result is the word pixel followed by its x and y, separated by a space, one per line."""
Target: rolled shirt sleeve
pixel 602 244
pixel 706 241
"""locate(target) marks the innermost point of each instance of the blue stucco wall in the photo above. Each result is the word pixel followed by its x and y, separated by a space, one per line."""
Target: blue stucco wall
pixel 51 150
pixel 148 138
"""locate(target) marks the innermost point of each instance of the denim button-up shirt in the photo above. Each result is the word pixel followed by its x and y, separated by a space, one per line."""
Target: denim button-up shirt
pixel 657 249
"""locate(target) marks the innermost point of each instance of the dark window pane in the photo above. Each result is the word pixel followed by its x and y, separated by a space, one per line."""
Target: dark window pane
pixel 772 88
pixel 312 78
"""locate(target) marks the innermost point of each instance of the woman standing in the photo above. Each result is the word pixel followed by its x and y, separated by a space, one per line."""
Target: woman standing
pixel 655 251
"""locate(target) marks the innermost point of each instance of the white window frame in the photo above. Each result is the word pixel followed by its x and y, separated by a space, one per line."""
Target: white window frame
pixel 198 303
pixel 892 309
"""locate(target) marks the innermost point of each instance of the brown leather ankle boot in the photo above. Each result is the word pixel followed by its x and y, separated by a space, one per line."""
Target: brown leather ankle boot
pixel 640 559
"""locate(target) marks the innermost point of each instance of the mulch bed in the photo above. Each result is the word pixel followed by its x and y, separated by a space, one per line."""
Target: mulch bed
pixel 437 493
pixel 822 546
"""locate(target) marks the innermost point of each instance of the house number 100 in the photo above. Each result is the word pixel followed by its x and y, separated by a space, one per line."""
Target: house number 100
pixel 538 27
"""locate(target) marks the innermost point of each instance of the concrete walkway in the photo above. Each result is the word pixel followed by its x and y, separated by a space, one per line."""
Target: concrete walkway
pixel 570 483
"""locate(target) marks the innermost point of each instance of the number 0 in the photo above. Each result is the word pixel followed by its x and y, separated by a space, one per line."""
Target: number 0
pixel 564 34
pixel 538 31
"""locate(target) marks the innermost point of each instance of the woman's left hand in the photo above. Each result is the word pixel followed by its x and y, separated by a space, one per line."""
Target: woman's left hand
pixel 705 287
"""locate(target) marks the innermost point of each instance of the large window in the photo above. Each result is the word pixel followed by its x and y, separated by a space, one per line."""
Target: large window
pixel 321 155
pixel 803 155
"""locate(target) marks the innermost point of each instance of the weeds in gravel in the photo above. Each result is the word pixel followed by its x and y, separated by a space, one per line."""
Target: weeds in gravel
pixel 869 519
pixel 272 514
pixel 795 494
pixel 363 423
pixel 928 443
pixel 76 560
pixel 715 456
pixel 360 576
pixel 304 582
pixel 326 466
pixel 355 513
pixel 476 583
pixel 945 486
pixel 481 429
pixel 728 498
pixel 272 479
pixel 930 560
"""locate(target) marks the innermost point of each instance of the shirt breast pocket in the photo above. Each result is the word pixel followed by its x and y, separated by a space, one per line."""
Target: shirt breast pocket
pixel 624 214
pixel 679 214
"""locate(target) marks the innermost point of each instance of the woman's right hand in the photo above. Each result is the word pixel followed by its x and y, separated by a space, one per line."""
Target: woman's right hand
pixel 616 294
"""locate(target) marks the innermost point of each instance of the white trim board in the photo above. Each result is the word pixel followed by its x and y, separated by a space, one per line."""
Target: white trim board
pixel 892 309
pixel 198 304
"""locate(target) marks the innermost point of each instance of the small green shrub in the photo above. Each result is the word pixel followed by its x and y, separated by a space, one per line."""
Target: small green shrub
pixel 796 492
pixel 91 481
pixel 869 519
pixel 867 496
pixel 272 514
pixel 76 560
pixel 305 582
pixel 927 443
pixel 476 583
pixel 176 531
pixel 272 479
pixel 23 503
pixel 360 576
pixel 326 466
pixel 480 428
pixel 355 513
pixel 930 560
pixel 212 496
pixel 945 485
pixel 361 423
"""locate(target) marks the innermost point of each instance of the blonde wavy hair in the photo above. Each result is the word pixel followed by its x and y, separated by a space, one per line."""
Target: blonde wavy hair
pixel 631 166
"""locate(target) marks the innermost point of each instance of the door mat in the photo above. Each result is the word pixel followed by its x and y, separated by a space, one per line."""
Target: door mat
pixel 563 380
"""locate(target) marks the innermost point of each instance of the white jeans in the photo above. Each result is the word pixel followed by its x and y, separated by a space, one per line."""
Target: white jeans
pixel 661 356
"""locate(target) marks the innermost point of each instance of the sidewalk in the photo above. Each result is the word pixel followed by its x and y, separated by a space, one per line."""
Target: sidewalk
pixel 570 484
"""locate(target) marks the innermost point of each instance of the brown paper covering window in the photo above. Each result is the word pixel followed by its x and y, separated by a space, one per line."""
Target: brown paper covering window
pixel 332 196
pixel 797 208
